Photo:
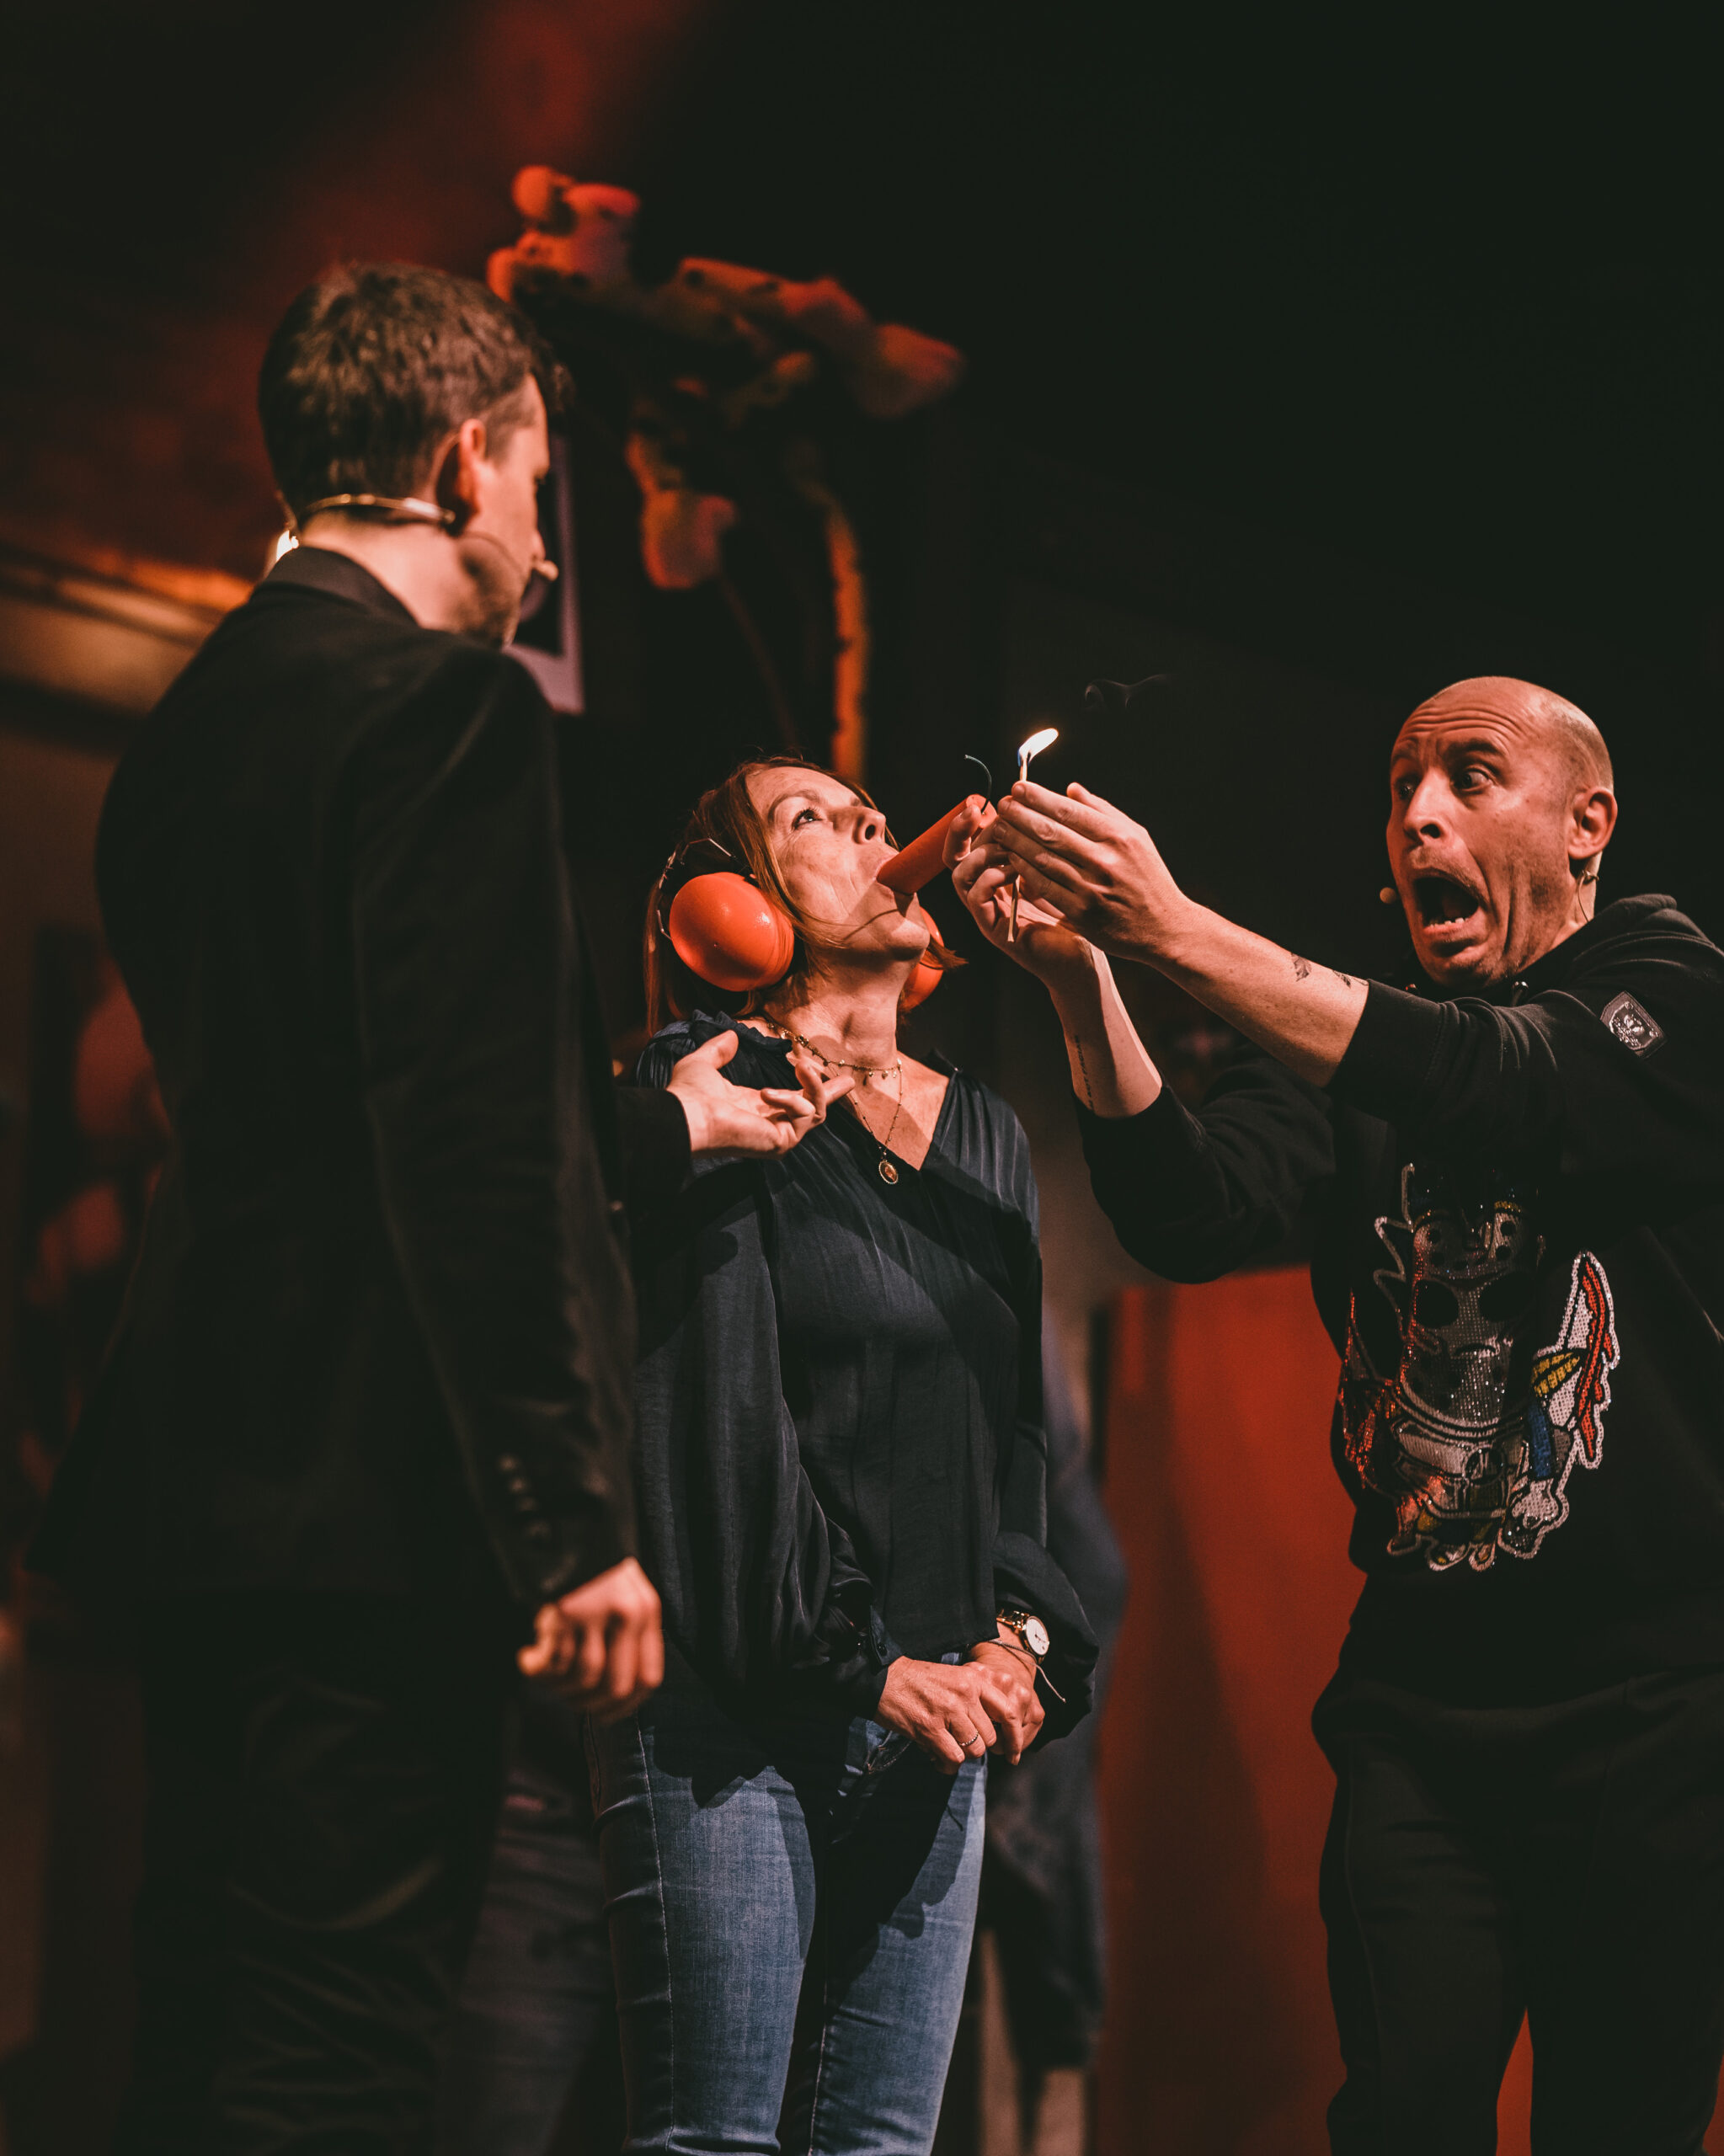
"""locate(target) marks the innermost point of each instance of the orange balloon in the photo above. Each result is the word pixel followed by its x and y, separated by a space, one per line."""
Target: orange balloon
pixel 727 930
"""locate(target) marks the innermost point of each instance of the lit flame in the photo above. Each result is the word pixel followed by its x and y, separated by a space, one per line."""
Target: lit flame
pixel 1034 747
pixel 1026 750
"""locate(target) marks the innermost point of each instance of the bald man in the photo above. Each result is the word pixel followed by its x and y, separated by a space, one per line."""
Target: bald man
pixel 1514 1179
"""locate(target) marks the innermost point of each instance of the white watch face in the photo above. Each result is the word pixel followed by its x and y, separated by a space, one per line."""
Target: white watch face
pixel 1035 1637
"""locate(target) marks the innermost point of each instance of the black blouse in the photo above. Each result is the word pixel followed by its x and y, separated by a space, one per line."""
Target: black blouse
pixel 841 1455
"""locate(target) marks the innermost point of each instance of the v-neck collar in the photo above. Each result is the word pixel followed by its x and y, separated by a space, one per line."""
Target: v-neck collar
pixel 949 1070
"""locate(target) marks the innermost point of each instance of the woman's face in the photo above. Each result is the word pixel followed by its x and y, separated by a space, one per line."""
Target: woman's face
pixel 829 847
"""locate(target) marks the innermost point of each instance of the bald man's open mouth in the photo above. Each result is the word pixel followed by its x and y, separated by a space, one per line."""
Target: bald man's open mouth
pixel 1444 902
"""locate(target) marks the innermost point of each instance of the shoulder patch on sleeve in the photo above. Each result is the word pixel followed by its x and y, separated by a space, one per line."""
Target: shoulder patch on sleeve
pixel 1632 1024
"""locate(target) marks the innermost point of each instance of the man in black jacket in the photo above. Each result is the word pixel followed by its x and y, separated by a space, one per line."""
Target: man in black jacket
pixel 1515 1185
pixel 364 1428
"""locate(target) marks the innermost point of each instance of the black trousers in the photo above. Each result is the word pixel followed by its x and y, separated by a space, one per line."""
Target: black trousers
pixel 531 2061
pixel 324 1779
pixel 1565 1862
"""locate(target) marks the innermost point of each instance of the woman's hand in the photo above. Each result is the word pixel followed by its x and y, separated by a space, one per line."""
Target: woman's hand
pixel 984 875
pixel 1011 1675
pixel 959 1711
pixel 1111 1070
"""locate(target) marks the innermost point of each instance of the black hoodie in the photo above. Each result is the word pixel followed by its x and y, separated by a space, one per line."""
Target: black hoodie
pixel 1517 1203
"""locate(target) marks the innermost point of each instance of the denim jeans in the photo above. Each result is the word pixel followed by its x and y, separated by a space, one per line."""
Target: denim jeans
pixel 791 1902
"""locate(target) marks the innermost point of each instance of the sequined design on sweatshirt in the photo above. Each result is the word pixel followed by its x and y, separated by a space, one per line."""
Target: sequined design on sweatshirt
pixel 1474 1437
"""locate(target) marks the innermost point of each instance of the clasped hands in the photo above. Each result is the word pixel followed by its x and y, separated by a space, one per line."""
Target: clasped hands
pixel 602 1648
pixel 1085 874
pixel 960 1710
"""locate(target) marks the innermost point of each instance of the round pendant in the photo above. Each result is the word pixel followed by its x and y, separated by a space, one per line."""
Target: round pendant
pixel 888 1172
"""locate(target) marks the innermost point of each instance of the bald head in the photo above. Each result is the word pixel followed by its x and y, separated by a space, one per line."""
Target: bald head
pixel 1501 807
pixel 1544 715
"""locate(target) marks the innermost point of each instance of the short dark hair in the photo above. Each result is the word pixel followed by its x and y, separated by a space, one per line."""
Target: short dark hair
pixel 376 364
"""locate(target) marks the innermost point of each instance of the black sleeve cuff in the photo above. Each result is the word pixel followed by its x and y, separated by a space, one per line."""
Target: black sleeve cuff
pixel 1389 1059
pixel 653 1133
pixel 858 1651
pixel 587 1548
pixel 1162 1147
pixel 552 1530
pixel 882 1651
pixel 1026 1577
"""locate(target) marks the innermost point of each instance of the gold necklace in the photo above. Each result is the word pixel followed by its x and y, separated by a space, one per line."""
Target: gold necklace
pixel 837 1062
pixel 887 1168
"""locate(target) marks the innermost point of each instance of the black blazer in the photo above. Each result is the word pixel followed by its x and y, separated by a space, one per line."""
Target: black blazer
pixel 383 1299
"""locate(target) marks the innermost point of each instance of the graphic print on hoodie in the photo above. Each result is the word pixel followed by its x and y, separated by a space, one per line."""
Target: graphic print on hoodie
pixel 1474 1432
pixel 1513 1206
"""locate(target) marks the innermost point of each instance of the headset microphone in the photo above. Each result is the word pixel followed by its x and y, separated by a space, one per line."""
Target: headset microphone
pixel 542 568
pixel 408 507
pixel 411 508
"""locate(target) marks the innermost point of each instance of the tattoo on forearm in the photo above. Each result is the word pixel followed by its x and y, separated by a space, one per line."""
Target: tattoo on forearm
pixel 1089 1097
pixel 1302 970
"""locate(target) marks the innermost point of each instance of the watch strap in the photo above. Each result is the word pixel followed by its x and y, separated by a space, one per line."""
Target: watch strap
pixel 1019 1621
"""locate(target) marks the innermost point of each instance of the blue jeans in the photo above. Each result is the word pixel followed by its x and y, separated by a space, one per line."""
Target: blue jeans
pixel 791 1902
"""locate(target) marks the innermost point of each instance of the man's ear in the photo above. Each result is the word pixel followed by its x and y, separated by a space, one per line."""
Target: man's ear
pixel 1593 824
pixel 456 486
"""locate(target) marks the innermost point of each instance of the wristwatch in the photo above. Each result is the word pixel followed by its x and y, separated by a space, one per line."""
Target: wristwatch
pixel 1032 1632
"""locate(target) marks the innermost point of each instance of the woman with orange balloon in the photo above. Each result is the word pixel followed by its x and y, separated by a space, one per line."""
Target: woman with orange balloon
pixel 840 1479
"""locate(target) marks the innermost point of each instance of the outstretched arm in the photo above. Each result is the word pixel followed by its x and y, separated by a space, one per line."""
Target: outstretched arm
pixel 1102 876
pixel 1190 1196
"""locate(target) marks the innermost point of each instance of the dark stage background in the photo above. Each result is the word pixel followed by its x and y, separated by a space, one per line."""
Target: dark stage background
pixel 1312 364
pixel 1394 358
